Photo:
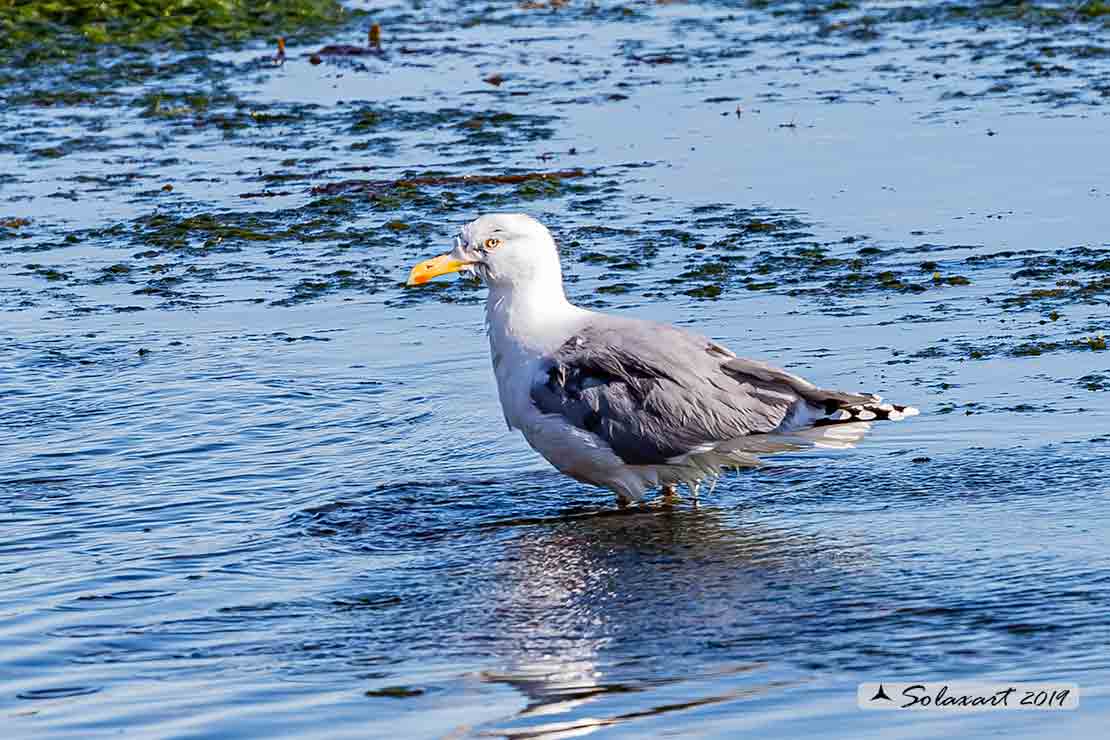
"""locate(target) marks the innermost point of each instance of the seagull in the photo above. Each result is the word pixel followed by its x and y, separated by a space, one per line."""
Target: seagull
pixel 624 403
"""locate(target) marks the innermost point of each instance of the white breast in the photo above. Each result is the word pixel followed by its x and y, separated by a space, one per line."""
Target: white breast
pixel 522 336
pixel 524 328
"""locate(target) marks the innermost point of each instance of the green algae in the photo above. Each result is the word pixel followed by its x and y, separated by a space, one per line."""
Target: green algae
pixel 939 279
pixel 114 271
pixel 1066 291
pixel 493 128
pixel 534 189
pixel 41 30
pixel 409 190
pixel 616 288
pixel 169 265
pixel 1094 382
pixel 724 249
pixel 1095 344
pixel 167 104
pixel 206 230
pixel 365 120
pixel 198 109
pixel 1036 348
pixel 707 270
pixel 709 290
pixel 1094 9
pixel 597 258
pixel 52 274
pixel 51 98
pixel 1029 347
pixel 49 152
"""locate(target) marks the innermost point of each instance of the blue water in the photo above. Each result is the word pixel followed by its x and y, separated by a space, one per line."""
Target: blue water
pixel 226 512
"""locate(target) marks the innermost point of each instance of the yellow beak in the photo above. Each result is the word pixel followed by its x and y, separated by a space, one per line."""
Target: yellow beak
pixel 434 267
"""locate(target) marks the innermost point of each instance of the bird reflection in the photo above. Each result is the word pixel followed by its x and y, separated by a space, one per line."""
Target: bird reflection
pixel 610 606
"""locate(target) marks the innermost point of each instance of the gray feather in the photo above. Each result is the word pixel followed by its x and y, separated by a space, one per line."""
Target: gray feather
pixel 654 392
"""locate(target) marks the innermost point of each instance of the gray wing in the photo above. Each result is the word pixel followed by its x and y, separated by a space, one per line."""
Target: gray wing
pixel 654 392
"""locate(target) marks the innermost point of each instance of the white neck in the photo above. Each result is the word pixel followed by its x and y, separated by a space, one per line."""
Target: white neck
pixel 523 325
pixel 531 317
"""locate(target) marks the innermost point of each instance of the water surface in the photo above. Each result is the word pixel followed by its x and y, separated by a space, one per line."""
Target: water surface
pixel 250 484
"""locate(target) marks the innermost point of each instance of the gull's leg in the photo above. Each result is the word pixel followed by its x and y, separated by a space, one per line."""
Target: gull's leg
pixel 670 495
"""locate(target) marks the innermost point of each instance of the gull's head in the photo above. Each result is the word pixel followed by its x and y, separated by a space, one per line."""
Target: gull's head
pixel 505 250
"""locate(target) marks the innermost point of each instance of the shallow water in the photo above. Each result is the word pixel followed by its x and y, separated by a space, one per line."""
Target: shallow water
pixel 250 484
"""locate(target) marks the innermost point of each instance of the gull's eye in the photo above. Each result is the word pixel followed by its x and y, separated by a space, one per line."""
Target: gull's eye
pixel 493 243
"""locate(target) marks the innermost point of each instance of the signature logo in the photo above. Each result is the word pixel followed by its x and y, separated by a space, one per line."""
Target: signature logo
pixel 960 697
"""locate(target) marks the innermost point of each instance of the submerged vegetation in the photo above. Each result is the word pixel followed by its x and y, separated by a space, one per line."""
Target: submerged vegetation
pixel 45 29
pixel 310 199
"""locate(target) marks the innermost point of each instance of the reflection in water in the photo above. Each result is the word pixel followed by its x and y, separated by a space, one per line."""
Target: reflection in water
pixel 608 607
